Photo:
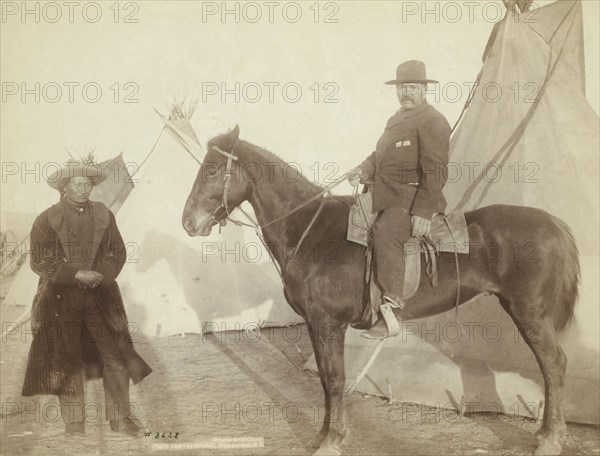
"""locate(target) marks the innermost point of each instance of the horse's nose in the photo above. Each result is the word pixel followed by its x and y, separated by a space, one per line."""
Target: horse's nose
pixel 189 225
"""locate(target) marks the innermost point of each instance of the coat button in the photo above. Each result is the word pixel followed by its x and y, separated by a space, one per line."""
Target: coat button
pixel 57 296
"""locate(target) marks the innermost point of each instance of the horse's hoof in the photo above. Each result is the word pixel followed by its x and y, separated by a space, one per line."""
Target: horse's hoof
pixel 315 442
pixel 560 432
pixel 327 451
pixel 548 446
pixel 540 433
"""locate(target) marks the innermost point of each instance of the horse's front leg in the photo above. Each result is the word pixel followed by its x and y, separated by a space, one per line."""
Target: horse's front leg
pixel 328 343
pixel 318 439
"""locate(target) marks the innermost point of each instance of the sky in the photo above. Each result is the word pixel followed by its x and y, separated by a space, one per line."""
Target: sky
pixel 303 79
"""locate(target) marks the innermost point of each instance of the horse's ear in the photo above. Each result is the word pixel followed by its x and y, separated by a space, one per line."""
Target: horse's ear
pixel 228 140
pixel 235 134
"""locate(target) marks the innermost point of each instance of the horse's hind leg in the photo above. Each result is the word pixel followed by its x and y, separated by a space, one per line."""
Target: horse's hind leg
pixel 553 363
pixel 541 337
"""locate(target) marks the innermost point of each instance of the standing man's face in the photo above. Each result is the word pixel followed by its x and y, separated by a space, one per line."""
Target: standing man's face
pixel 78 190
pixel 411 95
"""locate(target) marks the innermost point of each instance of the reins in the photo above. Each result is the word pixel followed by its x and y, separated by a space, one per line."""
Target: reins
pixel 224 207
pixel 325 193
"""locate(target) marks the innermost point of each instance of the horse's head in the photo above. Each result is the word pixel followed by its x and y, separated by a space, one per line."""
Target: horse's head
pixel 205 204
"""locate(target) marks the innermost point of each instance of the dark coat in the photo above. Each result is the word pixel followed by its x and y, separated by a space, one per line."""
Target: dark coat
pixel 409 165
pixel 50 367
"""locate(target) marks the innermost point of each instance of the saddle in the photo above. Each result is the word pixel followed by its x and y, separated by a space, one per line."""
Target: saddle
pixel 448 234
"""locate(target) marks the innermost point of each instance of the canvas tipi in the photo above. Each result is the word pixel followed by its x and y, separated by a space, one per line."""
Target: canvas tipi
pixel 532 139
pixel 173 283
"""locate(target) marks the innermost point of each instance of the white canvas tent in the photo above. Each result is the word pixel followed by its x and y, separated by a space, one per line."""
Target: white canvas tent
pixel 545 154
pixel 171 283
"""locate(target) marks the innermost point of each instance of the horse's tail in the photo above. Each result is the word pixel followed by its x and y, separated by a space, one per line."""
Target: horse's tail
pixel 568 289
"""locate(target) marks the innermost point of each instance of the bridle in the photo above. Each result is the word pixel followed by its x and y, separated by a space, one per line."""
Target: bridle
pixel 326 193
pixel 221 215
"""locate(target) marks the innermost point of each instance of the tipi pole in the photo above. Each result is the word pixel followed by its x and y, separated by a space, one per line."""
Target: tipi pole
pixel 365 369
pixel 149 153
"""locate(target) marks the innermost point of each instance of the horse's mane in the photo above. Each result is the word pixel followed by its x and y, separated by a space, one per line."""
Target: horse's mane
pixel 264 156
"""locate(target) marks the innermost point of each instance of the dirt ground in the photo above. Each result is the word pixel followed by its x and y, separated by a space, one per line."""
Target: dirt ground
pixel 237 394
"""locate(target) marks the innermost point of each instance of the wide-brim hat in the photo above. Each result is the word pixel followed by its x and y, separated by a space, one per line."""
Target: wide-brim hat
pixel 411 71
pixel 73 168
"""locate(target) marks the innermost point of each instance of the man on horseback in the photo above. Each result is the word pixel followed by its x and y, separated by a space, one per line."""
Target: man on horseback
pixel 409 170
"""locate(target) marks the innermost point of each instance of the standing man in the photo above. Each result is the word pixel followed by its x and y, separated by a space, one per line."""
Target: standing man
pixel 409 168
pixel 78 319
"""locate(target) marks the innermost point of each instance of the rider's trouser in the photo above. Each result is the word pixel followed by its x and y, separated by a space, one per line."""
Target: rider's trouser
pixel 391 229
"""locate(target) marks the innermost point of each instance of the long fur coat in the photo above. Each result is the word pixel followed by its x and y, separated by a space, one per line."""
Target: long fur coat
pixel 50 367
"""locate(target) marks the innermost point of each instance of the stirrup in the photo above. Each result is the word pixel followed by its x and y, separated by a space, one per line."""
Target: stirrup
pixel 391 323
pixel 390 319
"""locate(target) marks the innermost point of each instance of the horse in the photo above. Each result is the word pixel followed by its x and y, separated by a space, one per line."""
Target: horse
pixel 324 279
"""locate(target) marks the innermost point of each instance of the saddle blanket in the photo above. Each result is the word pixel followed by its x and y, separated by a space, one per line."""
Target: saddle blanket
pixel 448 232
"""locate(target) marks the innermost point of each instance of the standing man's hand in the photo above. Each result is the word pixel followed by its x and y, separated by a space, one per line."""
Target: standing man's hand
pixel 354 176
pixel 420 226
pixel 88 279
